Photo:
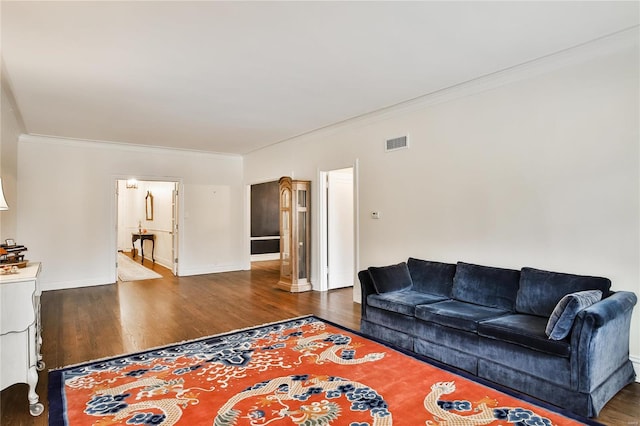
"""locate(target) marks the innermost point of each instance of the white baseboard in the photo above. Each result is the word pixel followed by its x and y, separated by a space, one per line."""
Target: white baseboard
pixel 159 260
pixel 210 269
pixel 62 285
pixel 183 272
pixel 162 262
pixel 636 366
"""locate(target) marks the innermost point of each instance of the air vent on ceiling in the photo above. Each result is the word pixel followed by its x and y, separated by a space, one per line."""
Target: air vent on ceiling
pixel 395 144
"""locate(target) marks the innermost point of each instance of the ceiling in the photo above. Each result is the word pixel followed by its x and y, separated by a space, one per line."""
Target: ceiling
pixel 232 77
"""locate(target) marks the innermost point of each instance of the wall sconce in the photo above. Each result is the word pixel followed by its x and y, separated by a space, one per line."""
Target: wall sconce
pixel 3 201
pixel 132 184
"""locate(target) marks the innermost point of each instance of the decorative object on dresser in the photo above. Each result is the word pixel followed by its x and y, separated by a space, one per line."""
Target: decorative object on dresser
pixel 294 235
pixel 12 254
pixel 20 338
pixel 302 371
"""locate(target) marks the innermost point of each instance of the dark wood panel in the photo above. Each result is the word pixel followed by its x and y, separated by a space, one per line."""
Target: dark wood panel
pixel 88 323
pixel 265 209
pixel 265 246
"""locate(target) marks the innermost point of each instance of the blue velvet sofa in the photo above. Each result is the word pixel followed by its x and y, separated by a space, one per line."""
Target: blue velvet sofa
pixel 559 337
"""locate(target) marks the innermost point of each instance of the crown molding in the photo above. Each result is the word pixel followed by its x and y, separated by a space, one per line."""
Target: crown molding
pixel 607 45
pixel 118 146
pixel 7 90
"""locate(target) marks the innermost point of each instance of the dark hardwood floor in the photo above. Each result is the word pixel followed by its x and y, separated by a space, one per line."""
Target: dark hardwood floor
pixel 89 323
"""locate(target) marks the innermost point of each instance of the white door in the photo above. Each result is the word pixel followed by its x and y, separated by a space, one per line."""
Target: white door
pixel 340 228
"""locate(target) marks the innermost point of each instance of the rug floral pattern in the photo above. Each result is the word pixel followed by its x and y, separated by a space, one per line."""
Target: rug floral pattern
pixel 299 372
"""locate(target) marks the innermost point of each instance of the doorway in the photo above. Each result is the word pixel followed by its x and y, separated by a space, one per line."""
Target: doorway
pixel 150 208
pixel 338 228
pixel 264 221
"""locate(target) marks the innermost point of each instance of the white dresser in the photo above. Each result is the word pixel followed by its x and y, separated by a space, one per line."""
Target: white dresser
pixel 20 340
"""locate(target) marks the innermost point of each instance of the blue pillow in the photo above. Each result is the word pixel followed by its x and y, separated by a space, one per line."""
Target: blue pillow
pixel 561 319
pixel 387 279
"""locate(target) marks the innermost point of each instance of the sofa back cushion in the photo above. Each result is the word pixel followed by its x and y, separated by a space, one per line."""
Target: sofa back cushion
pixel 540 291
pixel 486 285
pixel 390 278
pixel 431 277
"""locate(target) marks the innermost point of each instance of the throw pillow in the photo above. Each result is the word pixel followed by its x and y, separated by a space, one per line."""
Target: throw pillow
pixel 561 319
pixel 390 278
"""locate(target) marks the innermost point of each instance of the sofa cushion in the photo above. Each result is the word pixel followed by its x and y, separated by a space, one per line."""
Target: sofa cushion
pixel 432 277
pixel 486 285
pixel 561 319
pixel 524 330
pixel 403 302
pixel 457 314
pixel 540 291
pixel 390 278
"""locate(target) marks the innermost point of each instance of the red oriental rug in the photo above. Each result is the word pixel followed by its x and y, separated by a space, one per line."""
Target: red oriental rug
pixel 302 371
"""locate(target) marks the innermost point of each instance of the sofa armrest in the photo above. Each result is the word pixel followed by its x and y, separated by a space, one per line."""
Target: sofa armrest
pixel 609 308
pixel 600 340
pixel 366 288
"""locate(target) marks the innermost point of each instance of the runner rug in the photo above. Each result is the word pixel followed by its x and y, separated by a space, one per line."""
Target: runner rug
pixel 303 371
pixel 129 270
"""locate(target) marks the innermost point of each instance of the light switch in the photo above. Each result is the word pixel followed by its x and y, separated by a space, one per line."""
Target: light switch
pixel 375 215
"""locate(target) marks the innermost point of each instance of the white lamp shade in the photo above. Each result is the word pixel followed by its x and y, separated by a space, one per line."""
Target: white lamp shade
pixel 3 202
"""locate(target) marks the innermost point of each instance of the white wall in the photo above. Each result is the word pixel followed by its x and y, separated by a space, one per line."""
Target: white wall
pixel 132 212
pixel 538 166
pixel 67 206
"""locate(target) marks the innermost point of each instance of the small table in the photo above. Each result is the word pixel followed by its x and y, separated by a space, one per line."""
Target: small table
pixel 142 237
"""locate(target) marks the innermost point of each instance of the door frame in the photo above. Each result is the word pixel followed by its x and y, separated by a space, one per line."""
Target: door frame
pixel 323 243
pixel 178 222
pixel 176 193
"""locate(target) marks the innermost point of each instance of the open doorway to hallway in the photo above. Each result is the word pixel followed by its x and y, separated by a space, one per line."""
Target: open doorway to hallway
pixel 146 226
pixel 337 240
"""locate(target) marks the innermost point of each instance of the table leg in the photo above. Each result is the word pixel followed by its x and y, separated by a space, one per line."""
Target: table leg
pixel 35 407
pixel 141 250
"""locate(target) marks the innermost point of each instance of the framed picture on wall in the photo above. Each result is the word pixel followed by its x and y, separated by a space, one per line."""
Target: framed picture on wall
pixel 149 205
